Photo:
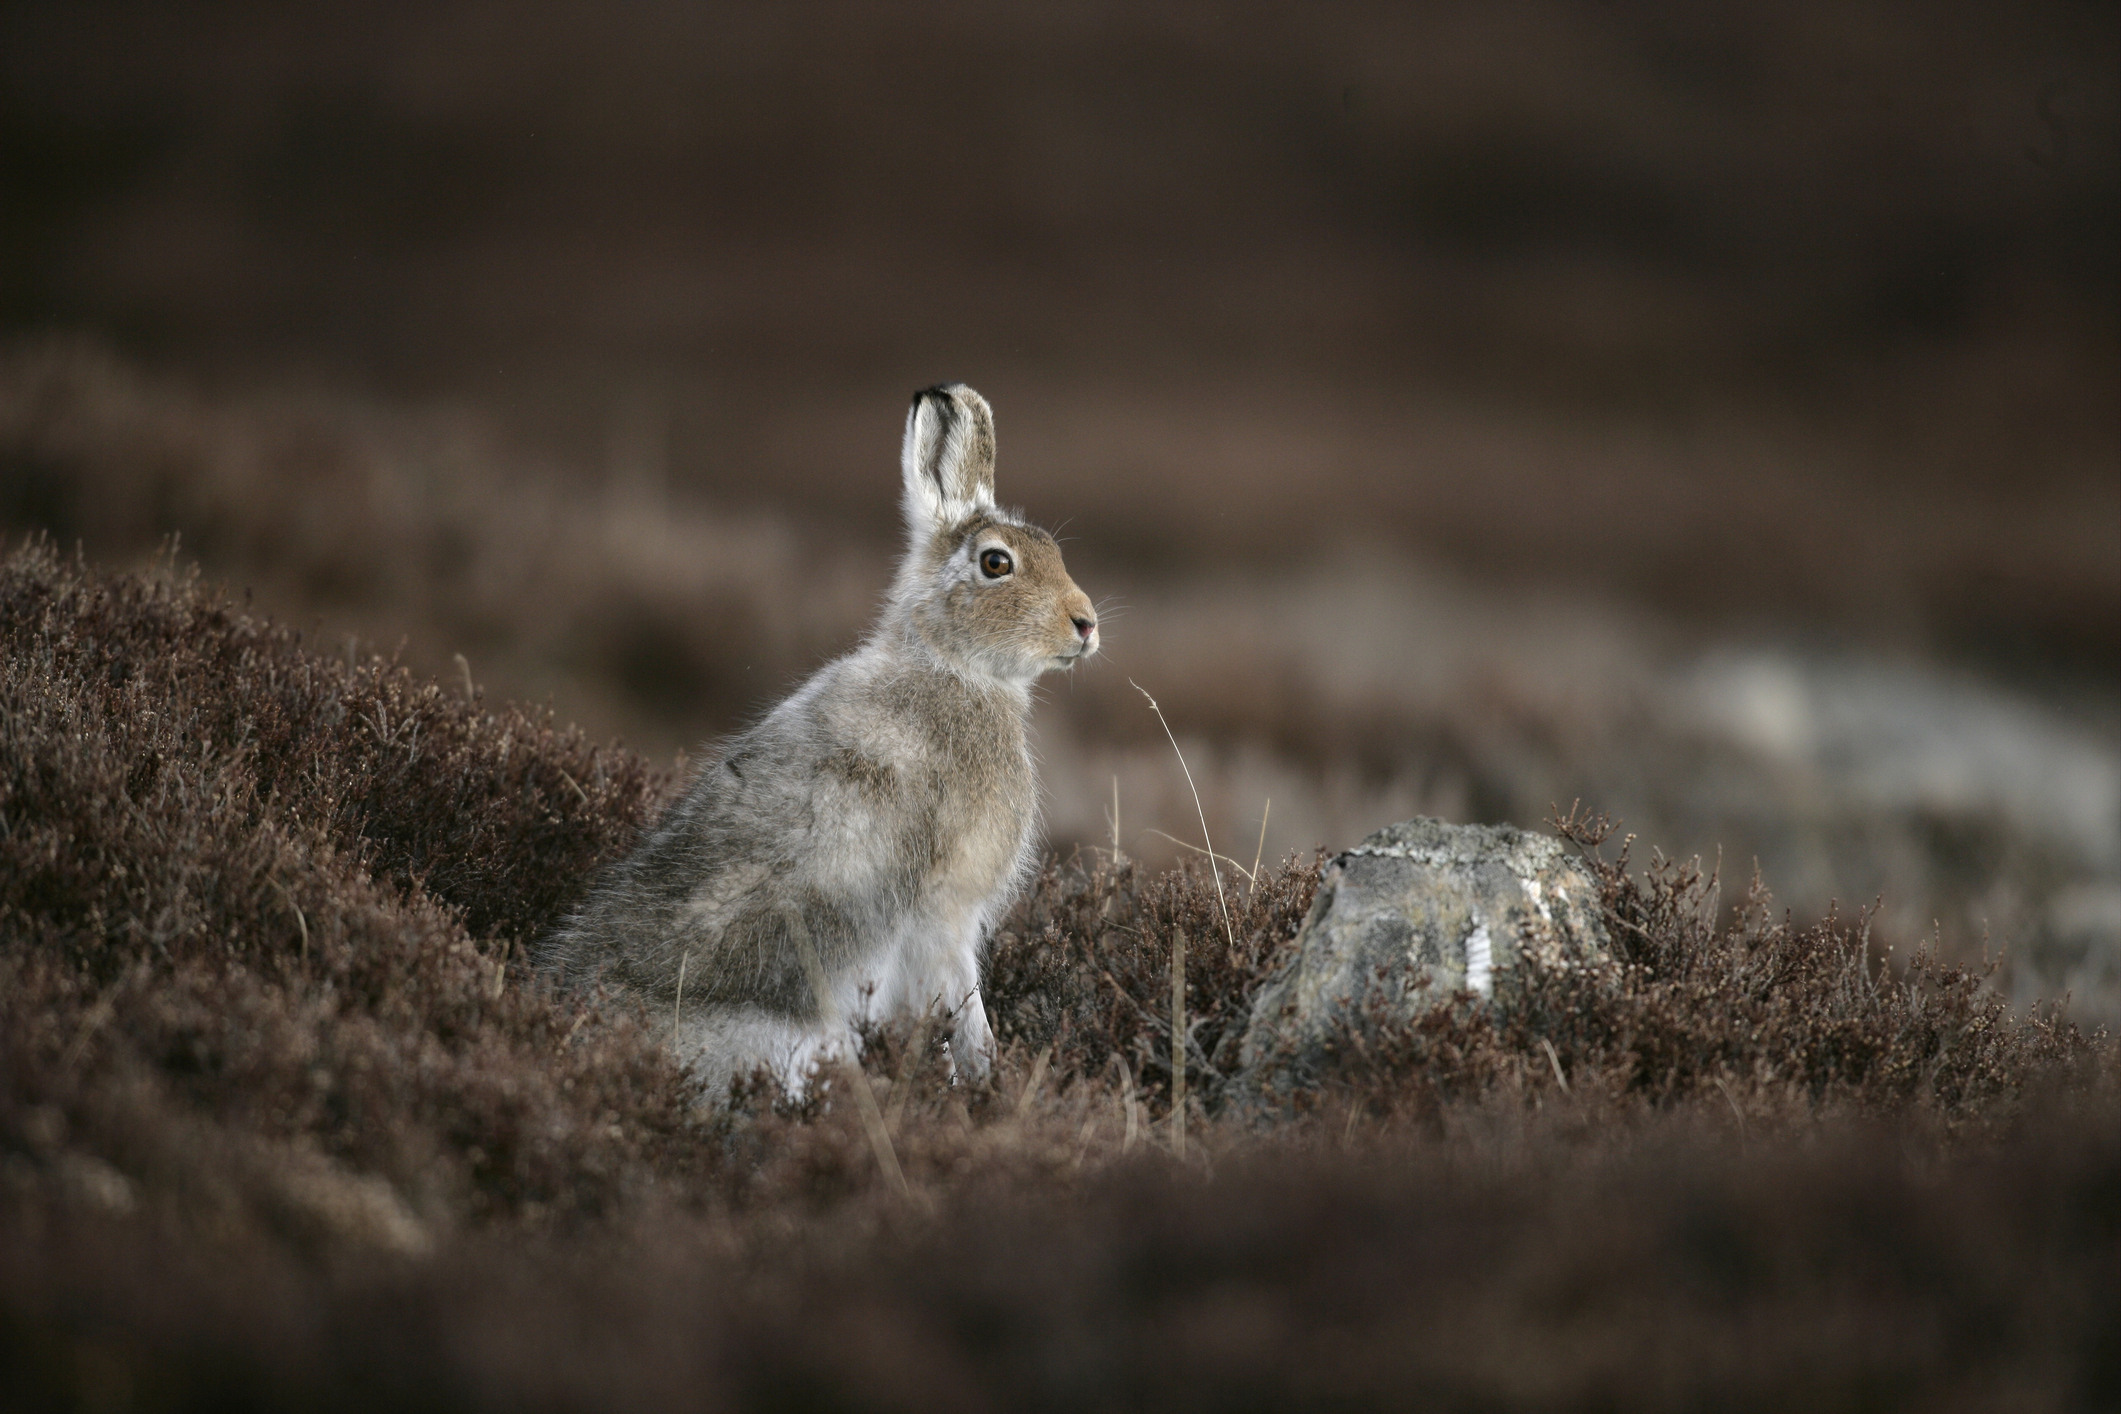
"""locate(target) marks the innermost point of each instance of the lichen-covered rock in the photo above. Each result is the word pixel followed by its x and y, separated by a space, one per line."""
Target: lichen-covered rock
pixel 1416 914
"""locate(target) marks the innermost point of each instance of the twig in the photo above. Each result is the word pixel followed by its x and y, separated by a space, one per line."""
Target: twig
pixel 300 921
pixel 573 782
pixel 1182 844
pixel 677 1015
pixel 1126 1077
pixel 1736 1113
pixel 1082 1140
pixel 1038 1073
pixel 471 693
pixel 1252 879
pixel 903 1086
pixel 1115 818
pixel 93 1020
pixel 1556 1061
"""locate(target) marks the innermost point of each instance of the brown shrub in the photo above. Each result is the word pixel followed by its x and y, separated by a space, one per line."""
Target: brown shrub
pixel 1758 1014
pixel 1084 965
pixel 1556 1272
pixel 282 1123
pixel 1692 1011
pixel 248 891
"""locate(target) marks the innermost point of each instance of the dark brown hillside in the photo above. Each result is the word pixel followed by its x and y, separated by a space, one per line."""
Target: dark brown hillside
pixel 256 899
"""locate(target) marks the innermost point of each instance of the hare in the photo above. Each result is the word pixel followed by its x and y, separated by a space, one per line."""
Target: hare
pixel 847 855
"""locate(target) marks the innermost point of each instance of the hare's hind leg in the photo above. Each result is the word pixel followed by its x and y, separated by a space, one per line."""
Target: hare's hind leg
pixel 971 1042
pixel 932 969
pixel 957 993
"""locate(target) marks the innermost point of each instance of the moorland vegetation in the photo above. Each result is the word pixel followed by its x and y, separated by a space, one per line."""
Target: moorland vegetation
pixel 285 1118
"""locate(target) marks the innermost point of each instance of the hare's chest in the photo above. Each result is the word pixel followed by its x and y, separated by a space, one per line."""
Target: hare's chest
pixel 956 797
pixel 981 836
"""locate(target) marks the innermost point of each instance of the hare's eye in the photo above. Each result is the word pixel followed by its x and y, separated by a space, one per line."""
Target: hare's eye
pixel 995 563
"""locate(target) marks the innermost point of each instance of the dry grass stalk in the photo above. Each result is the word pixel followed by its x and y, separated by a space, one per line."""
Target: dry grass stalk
pixel 1115 818
pixel 677 1012
pixel 1038 1073
pixel 1259 850
pixel 1192 848
pixel 1132 1111
pixel 1178 942
pixel 1554 1059
pixel 902 1086
pixel 1229 932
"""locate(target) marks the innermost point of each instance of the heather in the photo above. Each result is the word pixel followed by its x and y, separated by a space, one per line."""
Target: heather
pixel 284 1118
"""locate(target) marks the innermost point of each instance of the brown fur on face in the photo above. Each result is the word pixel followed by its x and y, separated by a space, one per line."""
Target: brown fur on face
pixel 1015 627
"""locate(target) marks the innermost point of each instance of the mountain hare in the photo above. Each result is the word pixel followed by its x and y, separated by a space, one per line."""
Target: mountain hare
pixel 846 856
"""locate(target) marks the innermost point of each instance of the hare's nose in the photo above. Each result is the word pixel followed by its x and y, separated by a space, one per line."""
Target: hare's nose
pixel 1085 627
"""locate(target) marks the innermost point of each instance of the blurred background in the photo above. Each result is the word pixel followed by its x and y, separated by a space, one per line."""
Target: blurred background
pixel 1712 413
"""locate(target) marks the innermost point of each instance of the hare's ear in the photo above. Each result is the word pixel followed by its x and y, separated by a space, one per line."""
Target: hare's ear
pixel 948 458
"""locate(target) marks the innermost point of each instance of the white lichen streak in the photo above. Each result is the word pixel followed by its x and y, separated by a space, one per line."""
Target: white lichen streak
pixel 1480 961
pixel 1533 892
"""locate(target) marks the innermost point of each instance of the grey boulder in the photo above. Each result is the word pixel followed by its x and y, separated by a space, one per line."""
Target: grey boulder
pixel 1415 915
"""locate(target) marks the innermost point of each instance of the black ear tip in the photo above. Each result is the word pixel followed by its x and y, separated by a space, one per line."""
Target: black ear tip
pixel 941 392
